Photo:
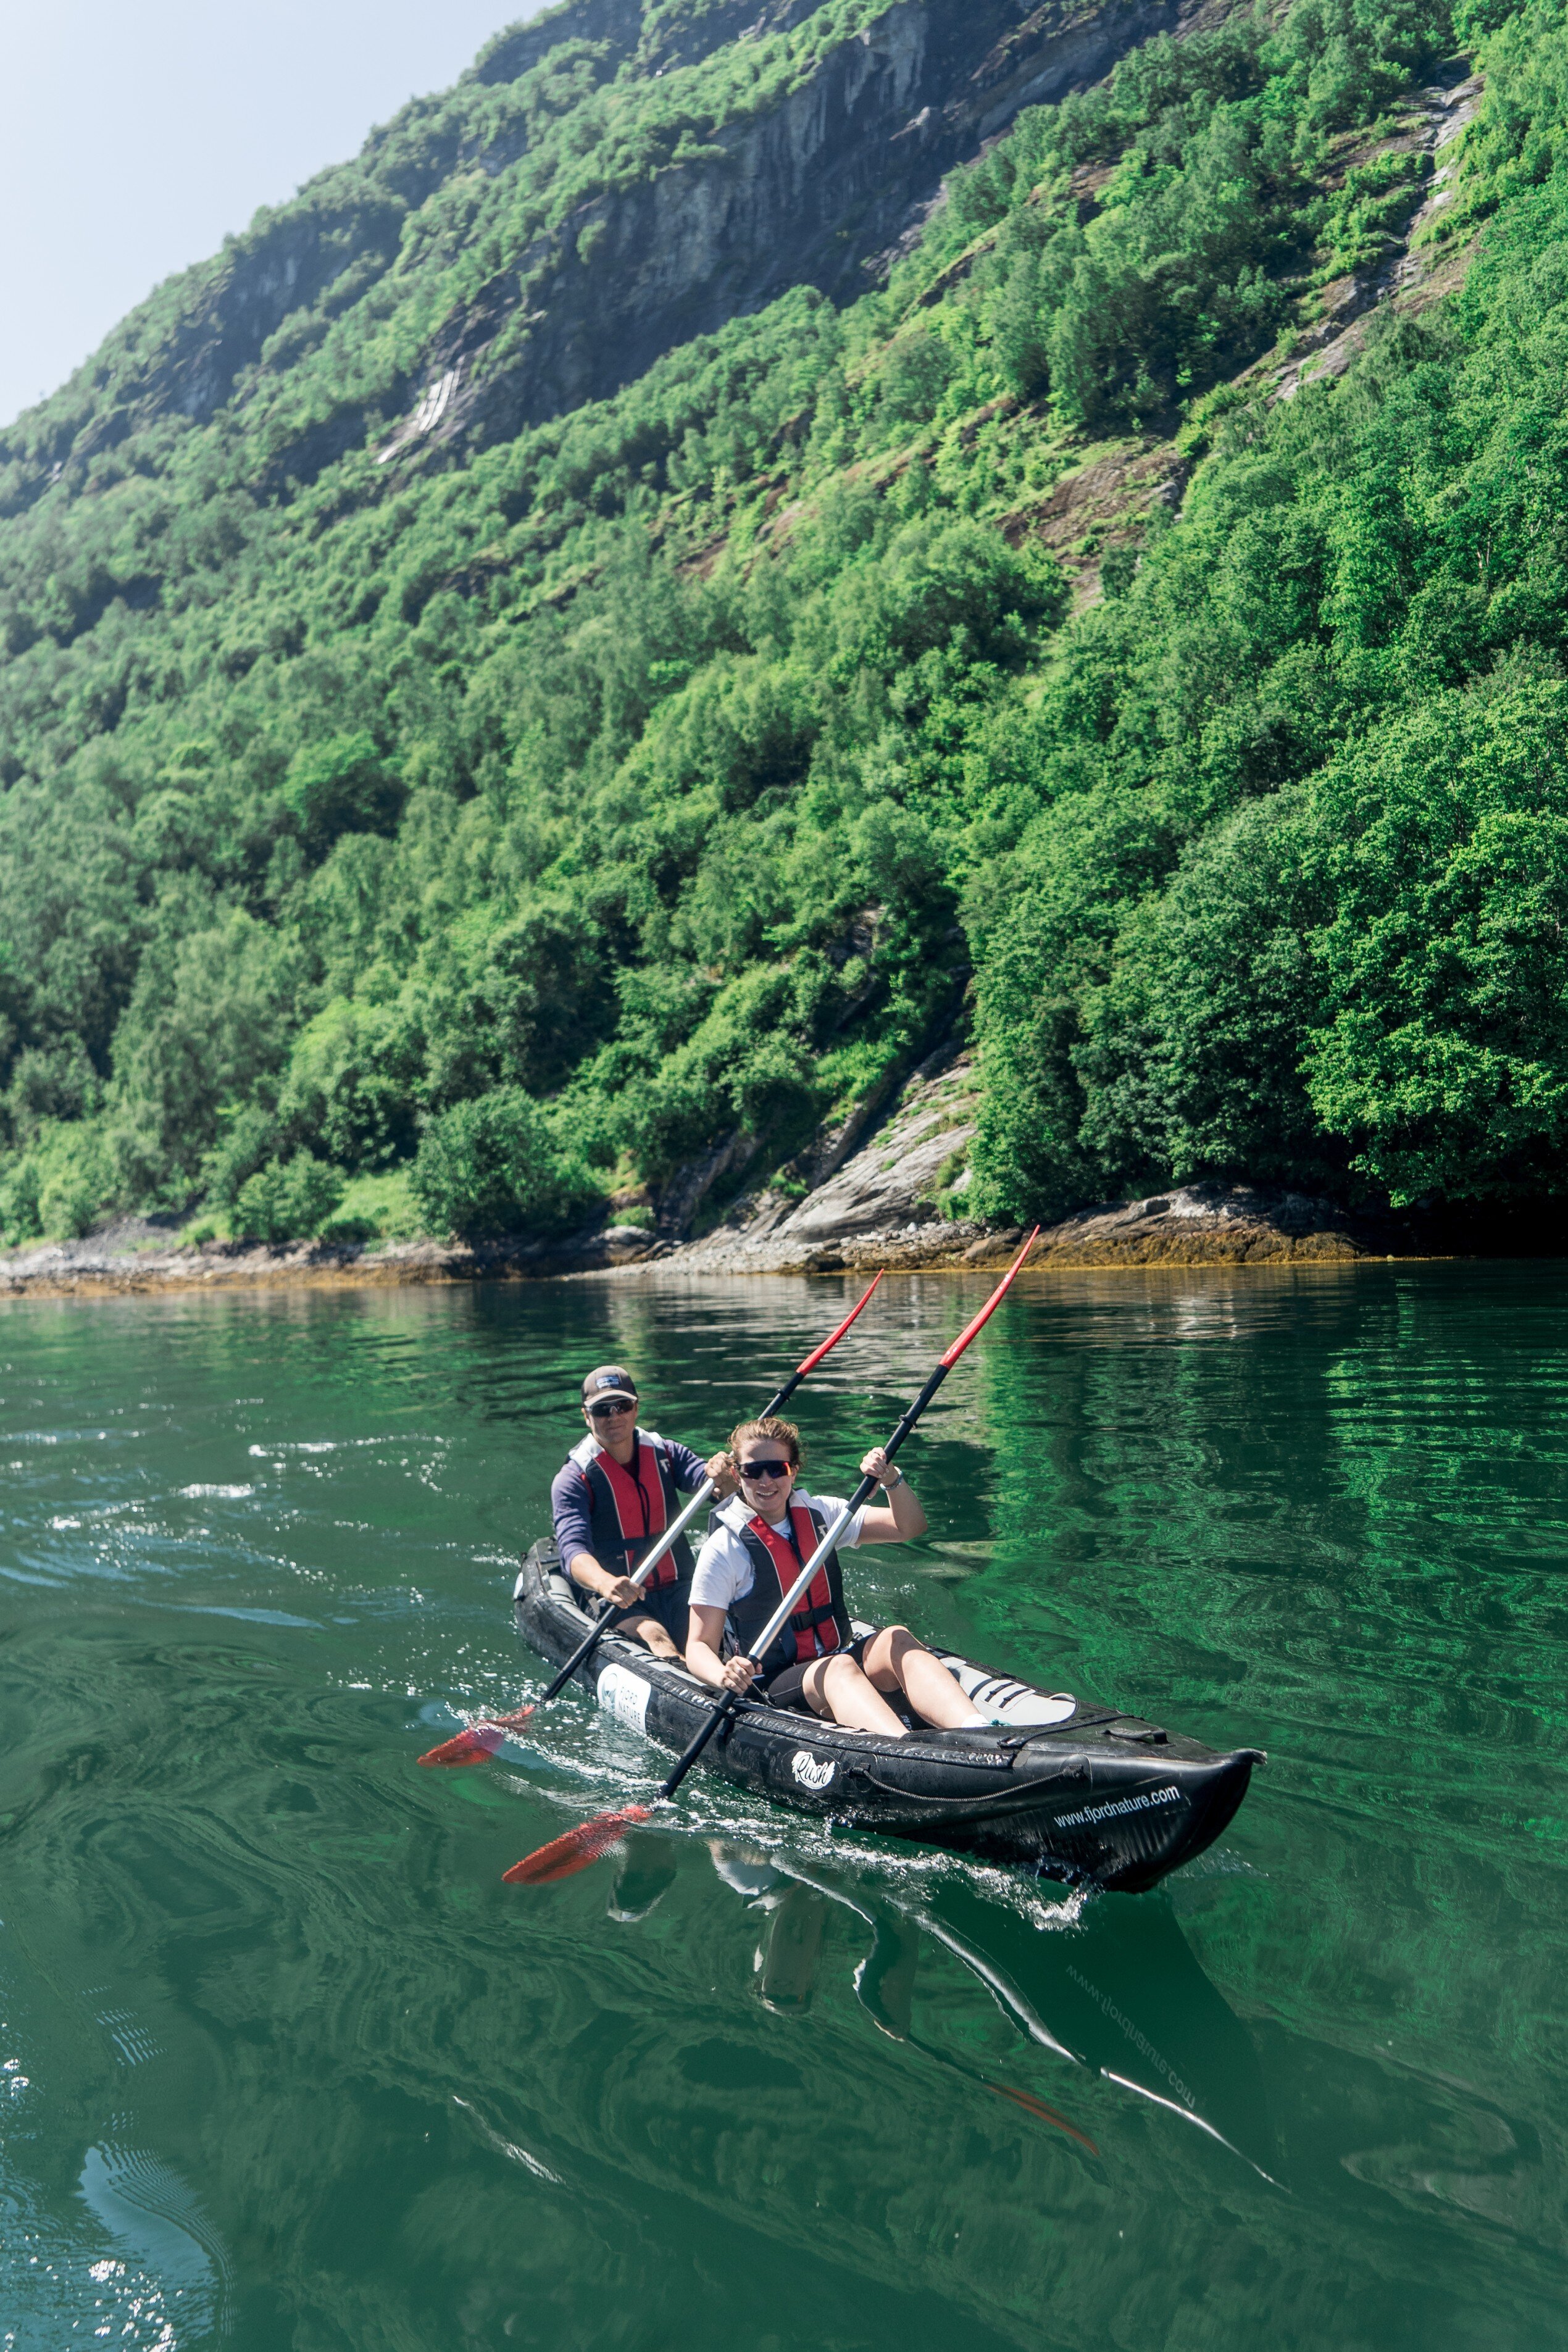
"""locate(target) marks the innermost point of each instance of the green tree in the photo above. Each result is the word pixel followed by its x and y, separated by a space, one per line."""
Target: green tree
pixel 493 1165
pixel 342 785
pixel 208 1019
pixel 1191 1061
pixel 1443 841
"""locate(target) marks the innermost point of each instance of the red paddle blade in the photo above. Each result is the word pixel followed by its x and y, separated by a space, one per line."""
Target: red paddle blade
pixel 1031 2106
pixel 992 1304
pixel 478 1741
pixel 817 1354
pixel 575 1850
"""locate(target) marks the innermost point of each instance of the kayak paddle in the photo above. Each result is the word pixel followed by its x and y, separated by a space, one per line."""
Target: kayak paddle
pixel 483 1738
pixel 590 1839
pixel 1030 2104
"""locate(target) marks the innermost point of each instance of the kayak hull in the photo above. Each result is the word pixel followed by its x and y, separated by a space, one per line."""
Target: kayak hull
pixel 1098 1799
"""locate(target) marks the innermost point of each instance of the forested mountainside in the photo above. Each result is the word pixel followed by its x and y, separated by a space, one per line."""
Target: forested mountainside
pixel 733 545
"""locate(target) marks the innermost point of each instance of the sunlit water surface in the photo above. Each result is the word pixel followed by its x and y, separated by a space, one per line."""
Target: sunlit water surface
pixel 286 2065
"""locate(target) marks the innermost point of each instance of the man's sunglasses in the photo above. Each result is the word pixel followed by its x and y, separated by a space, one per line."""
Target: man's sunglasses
pixel 766 1469
pixel 611 1406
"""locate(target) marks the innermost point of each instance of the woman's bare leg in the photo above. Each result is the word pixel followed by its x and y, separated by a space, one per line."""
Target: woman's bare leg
pixel 895 1660
pixel 837 1688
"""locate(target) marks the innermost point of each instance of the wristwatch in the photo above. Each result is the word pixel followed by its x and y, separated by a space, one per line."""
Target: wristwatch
pixel 895 1480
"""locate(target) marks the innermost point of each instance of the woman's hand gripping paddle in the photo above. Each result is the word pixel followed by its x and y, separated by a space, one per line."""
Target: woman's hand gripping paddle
pixel 484 1739
pixel 593 1837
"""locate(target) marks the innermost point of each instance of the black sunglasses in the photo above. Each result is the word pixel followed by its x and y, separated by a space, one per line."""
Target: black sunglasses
pixel 766 1469
pixel 611 1406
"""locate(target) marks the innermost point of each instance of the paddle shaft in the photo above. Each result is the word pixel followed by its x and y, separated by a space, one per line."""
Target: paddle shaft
pixel 677 1525
pixel 596 1633
pixel 774 1626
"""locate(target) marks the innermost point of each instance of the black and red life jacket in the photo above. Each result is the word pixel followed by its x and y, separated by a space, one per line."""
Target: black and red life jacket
pixel 628 1506
pixel 819 1622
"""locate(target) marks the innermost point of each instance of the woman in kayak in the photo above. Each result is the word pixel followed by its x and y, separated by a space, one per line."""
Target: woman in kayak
pixel 760 1541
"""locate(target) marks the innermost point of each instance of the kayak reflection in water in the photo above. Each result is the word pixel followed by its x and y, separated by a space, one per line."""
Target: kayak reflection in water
pixel 760 1540
pixel 1119 1994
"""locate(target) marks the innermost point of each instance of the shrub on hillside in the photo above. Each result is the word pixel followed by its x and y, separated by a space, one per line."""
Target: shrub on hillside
pixel 56 1187
pixel 288 1200
pixel 494 1166
pixel 1191 1058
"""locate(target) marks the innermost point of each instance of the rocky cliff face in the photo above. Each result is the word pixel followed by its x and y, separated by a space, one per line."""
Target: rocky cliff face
pixel 809 191
pixel 186 351
pixel 808 194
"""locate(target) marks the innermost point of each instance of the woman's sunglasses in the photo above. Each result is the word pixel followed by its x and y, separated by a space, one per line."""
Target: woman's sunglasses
pixel 766 1469
pixel 609 1409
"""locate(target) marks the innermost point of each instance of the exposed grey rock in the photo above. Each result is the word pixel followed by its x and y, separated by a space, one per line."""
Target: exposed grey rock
pixel 880 1205
pixel 894 1177
pixel 879 1210
pixel 1408 272
pixel 804 192
pixel 685 1194
pixel 1204 1224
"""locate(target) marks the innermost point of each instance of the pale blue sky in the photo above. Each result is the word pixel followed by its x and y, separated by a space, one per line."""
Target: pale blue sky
pixel 134 133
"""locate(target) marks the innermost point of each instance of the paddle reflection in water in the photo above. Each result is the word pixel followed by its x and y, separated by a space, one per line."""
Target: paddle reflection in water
pixel 1101 2015
pixel 1122 1995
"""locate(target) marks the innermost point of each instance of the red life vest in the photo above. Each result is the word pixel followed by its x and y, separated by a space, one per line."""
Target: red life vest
pixel 819 1621
pixel 628 1506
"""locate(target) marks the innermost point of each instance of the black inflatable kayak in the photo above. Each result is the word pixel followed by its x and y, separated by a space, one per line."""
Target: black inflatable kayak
pixel 1073 1791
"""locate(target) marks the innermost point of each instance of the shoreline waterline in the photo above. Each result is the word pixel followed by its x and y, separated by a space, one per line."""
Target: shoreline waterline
pixel 93 1282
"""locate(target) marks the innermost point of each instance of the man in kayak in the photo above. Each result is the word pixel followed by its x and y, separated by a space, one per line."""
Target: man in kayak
pixel 617 1490
pixel 760 1541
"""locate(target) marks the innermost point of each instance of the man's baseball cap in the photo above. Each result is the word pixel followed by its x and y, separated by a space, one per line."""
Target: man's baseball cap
pixel 609 1379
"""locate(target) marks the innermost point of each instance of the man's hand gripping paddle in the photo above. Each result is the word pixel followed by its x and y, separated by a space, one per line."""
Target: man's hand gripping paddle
pixel 482 1740
pixel 593 1837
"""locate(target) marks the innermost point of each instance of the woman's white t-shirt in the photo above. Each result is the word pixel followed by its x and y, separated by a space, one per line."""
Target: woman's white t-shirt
pixel 723 1572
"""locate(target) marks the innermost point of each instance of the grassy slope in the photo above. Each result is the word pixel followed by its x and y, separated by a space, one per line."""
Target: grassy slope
pixel 674 765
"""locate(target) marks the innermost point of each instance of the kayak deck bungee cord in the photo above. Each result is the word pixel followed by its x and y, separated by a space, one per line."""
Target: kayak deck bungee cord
pixel 1075 1792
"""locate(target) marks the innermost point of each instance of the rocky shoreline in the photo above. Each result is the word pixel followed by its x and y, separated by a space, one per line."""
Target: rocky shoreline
pixel 1198 1225
pixel 882 1189
pixel 133 1257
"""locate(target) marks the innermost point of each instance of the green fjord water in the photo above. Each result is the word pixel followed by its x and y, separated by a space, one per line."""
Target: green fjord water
pixel 285 2066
